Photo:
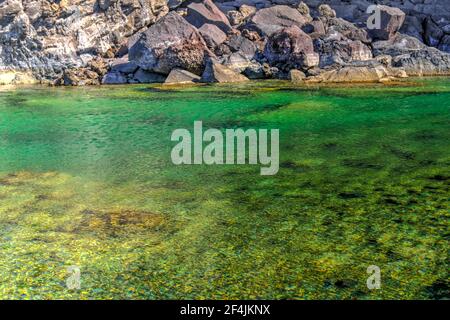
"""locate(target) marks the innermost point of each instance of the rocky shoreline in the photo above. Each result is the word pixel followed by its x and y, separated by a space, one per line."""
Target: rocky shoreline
pixel 93 42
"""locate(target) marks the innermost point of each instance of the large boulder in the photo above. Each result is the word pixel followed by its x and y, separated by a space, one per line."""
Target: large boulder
pixel 212 34
pixel 170 43
pixel 270 20
pixel 216 72
pixel 391 20
pixel 291 48
pixel 199 13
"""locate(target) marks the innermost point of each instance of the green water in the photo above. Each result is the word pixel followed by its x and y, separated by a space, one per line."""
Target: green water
pixel 86 179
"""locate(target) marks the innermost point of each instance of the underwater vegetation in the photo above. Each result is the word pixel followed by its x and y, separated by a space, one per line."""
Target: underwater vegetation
pixel 86 180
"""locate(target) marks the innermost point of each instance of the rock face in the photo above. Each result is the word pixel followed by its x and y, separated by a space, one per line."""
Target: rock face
pixel 391 20
pixel 216 72
pixel 292 49
pixel 270 20
pixel 46 37
pixel 170 43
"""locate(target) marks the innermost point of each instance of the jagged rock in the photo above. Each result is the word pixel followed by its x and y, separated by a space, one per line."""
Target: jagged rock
pixel 216 72
pixel 80 77
pixel 170 43
pixel 207 12
pixel 237 62
pixel 347 29
pixel 123 65
pixel 179 76
pixel 314 28
pixel 399 44
pixel 47 37
pixel 291 48
pixel 242 45
pixel 445 43
pixel 114 77
pixel 391 21
pixel 416 58
pixel 304 10
pixel 432 34
pixel 143 76
pixel 247 10
pixel 270 20
pixel 235 17
pixel 296 75
pixel 212 34
pixel 425 62
pixel 251 35
pixel 326 11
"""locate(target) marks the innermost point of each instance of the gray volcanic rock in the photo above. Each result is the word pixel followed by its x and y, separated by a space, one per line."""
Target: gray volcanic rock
pixel 216 72
pixel 242 45
pixel 170 43
pixel 335 49
pixel 123 65
pixel 212 35
pixel 270 20
pixel 179 76
pixel 143 76
pixel 355 74
pixel 114 77
pixel 391 21
pixel 207 12
pixel 416 58
pixel 425 62
pixel 47 37
pixel 291 48
pixel 347 29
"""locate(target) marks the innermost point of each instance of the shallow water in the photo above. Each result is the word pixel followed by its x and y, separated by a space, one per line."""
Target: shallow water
pixel 86 179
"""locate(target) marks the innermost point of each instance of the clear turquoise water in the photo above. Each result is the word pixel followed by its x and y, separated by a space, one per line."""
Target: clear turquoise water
pixel 86 179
